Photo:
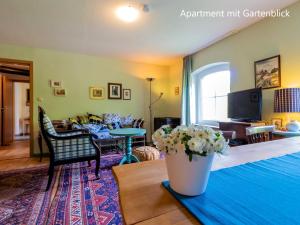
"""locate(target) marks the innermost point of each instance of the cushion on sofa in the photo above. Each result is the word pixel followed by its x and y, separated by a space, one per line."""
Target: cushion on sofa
pixel 113 126
pixel 84 119
pixel 127 120
pixel 73 120
pixel 95 118
pixel 138 123
pixel 109 118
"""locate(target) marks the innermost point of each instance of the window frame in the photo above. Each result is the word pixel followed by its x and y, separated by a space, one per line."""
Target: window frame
pixel 197 76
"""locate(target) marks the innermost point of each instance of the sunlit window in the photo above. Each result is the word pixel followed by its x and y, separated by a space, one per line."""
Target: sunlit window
pixel 214 90
pixel 209 90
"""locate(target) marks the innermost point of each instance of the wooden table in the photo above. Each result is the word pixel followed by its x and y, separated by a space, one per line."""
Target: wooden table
pixel 144 200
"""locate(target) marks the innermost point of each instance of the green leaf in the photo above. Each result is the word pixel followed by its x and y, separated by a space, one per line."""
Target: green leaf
pixel 191 157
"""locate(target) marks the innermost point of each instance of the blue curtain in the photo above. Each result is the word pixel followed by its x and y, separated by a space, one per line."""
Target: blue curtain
pixel 186 84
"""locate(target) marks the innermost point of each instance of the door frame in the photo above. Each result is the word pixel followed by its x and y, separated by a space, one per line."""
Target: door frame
pixel 30 64
pixel 18 80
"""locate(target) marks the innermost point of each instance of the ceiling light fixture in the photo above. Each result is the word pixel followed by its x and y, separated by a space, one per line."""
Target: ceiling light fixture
pixel 127 13
pixel 131 12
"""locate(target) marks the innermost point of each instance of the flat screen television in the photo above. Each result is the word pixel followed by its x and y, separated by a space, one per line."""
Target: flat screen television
pixel 245 105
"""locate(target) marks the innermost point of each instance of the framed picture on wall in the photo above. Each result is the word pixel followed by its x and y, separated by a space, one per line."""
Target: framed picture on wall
pixel 268 73
pixel 114 91
pixel 60 92
pixel 96 93
pixel 126 94
pixel 277 122
pixel 55 84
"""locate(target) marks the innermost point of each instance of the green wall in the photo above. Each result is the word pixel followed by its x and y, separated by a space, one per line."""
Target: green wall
pixel 79 72
pixel 264 39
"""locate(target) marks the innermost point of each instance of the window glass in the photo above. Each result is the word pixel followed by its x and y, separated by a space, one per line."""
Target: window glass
pixel 211 92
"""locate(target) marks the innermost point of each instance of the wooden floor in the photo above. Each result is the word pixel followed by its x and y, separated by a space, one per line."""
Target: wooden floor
pixel 17 150
pixel 17 156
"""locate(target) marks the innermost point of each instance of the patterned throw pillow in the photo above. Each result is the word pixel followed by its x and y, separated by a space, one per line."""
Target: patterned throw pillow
pixel 73 120
pixel 95 119
pixel 138 123
pixel 113 126
pixel 109 118
pixel 83 119
pixel 127 120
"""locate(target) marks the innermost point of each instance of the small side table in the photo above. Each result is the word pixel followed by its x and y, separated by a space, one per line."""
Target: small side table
pixel 286 133
pixel 128 133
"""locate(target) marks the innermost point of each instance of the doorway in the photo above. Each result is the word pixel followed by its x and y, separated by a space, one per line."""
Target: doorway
pixel 16 109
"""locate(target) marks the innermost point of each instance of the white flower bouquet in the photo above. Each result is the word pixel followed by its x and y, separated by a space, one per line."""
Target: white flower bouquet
pixel 194 140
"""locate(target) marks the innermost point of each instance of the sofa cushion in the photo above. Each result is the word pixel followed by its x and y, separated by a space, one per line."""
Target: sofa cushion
pixel 113 126
pixel 95 118
pixel 73 120
pixel 109 118
pixel 127 120
pixel 84 119
pixel 138 123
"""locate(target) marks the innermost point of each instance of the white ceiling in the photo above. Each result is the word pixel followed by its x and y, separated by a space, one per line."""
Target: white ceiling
pixel 90 26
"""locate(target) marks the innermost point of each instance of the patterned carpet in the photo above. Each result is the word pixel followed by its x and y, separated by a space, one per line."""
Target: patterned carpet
pixel 75 196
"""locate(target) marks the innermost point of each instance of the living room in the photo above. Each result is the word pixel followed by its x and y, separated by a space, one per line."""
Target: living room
pixel 85 59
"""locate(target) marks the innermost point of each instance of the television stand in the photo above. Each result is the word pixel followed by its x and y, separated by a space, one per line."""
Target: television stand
pixel 239 128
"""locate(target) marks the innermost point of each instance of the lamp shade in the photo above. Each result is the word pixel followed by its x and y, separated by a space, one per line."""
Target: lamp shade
pixel 287 100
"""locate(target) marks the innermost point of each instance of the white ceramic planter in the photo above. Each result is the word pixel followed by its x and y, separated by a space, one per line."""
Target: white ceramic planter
pixel 188 178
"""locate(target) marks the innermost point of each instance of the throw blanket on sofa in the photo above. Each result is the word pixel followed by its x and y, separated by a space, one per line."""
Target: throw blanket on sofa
pixel 98 131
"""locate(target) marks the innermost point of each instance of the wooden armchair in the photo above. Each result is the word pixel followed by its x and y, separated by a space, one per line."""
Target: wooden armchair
pixel 259 134
pixel 67 147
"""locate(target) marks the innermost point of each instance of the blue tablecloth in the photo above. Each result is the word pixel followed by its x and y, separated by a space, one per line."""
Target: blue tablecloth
pixel 264 192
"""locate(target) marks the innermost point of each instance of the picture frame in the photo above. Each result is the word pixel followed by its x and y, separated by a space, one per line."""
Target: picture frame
pixel 277 122
pixel 61 92
pixel 96 93
pixel 114 91
pixel 55 84
pixel 268 73
pixel 126 94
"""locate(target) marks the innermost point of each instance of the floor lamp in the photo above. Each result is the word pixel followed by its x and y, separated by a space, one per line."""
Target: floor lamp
pixel 151 103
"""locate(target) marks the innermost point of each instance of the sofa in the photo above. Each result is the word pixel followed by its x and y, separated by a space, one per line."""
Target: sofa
pixel 100 125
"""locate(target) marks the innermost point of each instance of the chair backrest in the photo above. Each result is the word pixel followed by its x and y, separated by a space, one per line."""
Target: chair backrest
pixel 259 134
pixel 45 123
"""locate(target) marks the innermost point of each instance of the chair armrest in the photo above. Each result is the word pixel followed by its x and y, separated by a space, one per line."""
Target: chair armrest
pixel 75 131
pixel 70 136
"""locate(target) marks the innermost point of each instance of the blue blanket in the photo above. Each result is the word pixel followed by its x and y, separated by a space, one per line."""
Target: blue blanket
pixel 264 192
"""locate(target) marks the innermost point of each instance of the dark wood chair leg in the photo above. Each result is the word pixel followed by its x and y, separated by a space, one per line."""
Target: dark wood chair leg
pixel 89 163
pixel 50 173
pixel 97 167
pixel 40 142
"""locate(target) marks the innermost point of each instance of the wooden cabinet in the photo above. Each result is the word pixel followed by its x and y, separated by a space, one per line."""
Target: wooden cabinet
pixel 239 128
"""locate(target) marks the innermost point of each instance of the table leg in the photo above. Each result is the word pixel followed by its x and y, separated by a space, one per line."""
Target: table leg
pixel 128 157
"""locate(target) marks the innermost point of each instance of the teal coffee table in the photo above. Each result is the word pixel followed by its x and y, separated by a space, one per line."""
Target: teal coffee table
pixel 128 133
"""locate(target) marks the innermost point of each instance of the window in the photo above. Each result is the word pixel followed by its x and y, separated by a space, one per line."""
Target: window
pixel 209 90
pixel 214 90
